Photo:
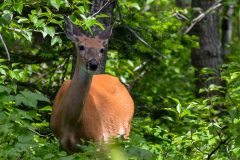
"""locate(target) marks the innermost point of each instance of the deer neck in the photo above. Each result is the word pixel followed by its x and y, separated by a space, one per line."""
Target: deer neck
pixel 81 83
pixel 77 95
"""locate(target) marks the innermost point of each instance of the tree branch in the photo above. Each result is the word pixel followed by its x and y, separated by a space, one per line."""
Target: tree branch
pixel 218 146
pixel 143 41
pixel 5 47
pixel 134 33
pixel 203 15
pixel 104 6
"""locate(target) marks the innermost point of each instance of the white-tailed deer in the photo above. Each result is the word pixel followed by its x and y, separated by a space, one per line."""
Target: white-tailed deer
pixel 90 106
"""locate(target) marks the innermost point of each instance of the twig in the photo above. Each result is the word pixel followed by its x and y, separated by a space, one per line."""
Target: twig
pixel 31 30
pixel 141 75
pixel 134 33
pixel 65 70
pixel 202 15
pixel 195 144
pixel 219 145
pixel 180 16
pixel 5 47
pixel 143 41
pixel 105 5
pixel 35 132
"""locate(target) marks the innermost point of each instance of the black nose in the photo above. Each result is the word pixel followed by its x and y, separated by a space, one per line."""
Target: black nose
pixel 92 65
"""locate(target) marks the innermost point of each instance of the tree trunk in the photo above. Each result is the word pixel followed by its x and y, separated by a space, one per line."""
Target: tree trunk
pixel 227 26
pixel 100 7
pixel 106 7
pixel 209 53
pixel 183 3
pixel 179 3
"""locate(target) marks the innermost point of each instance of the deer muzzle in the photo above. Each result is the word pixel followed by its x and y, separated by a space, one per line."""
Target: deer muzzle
pixel 92 65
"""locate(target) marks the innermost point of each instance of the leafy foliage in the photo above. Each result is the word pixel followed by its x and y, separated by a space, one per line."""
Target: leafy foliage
pixel 169 122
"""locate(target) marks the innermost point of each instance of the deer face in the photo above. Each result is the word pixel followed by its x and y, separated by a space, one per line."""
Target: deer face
pixel 89 50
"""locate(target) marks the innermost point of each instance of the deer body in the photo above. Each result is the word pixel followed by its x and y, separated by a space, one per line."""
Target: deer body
pixel 89 106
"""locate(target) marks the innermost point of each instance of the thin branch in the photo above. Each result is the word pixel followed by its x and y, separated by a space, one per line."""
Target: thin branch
pixel 35 132
pixel 195 144
pixel 202 15
pixel 65 70
pixel 32 30
pixel 5 47
pixel 180 16
pixel 134 33
pixel 119 12
pixel 143 41
pixel 218 146
pixel 104 6
pixel 141 75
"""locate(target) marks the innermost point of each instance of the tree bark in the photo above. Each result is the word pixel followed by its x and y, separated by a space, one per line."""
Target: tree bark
pixel 183 3
pixel 209 53
pixel 105 7
pixel 100 7
pixel 227 28
pixel 180 3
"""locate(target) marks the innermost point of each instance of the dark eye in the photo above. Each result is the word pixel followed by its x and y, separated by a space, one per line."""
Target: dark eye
pixel 81 48
pixel 102 50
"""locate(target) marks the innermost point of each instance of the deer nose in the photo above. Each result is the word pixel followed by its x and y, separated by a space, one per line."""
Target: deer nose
pixel 92 65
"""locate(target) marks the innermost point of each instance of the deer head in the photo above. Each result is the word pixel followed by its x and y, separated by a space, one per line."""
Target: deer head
pixel 90 50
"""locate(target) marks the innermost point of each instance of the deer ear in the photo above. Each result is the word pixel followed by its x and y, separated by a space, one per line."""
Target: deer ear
pixel 72 31
pixel 106 34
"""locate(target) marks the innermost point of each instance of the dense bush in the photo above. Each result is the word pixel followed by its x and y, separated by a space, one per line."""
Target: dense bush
pixel 169 122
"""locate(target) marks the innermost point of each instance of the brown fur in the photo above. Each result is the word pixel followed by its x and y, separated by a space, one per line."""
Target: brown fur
pixel 108 108
pixel 91 42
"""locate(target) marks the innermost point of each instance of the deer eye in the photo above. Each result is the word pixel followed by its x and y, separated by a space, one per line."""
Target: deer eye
pixel 81 48
pixel 102 50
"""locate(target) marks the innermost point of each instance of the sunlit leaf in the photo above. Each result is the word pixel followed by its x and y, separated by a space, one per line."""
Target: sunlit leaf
pixel 56 3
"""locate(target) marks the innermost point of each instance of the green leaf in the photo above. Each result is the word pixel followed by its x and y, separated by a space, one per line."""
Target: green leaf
pixel 47 108
pixel 81 9
pixel 56 3
pixel 168 118
pixel 100 25
pixel 23 19
pixel 49 30
pixel 33 18
pixel 4 89
pixel 35 96
pixel 40 24
pixel 19 7
pixel 4 128
pixel 56 21
pixel 179 108
pixel 66 3
pixel 7 16
pixel 15 74
pixel 55 40
pixel 25 138
pixel 134 5
pixel 29 98
pixel 27 35
pixel 102 16
pixel 149 1
pixel 49 156
pixel 44 34
pixel 20 99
